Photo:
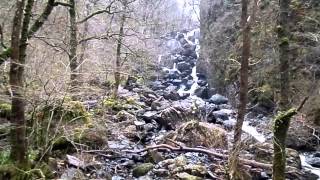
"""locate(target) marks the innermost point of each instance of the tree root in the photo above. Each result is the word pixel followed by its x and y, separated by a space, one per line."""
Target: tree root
pixel 201 150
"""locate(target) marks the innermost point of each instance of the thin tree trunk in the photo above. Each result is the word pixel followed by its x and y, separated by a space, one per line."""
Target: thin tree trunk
pixel 73 44
pixel 118 55
pixel 243 97
pixel 281 126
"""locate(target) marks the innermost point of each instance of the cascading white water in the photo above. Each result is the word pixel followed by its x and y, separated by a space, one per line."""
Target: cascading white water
pixel 308 167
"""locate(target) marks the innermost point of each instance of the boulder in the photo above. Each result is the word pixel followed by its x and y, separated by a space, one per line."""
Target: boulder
pixel 194 133
pixel 142 169
pixel 187 176
pixel 183 66
pixel 218 99
pixel 301 136
pixel 222 114
pixel 172 95
pixel 148 116
pixel 263 152
pixel 172 117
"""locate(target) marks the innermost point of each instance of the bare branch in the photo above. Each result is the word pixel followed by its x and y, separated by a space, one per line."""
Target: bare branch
pixel 62 4
pixel 106 10
pixel 42 18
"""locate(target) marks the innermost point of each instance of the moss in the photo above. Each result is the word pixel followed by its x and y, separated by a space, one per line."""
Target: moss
pixel 5 110
pixel 263 95
pixel 142 169
pixel 68 111
pixel 4 157
pixel 114 104
pixel 284 116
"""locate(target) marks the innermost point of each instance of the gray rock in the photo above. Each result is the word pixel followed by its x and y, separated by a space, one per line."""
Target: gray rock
pixel 183 66
pixel 218 99
pixel 150 115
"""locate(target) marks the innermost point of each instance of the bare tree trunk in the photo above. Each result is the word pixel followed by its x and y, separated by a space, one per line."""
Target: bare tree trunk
pixel 281 126
pixel 74 64
pixel 18 45
pixel 243 96
pixel 118 55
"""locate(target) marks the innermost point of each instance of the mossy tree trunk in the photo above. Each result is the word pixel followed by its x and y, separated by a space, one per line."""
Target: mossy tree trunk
pixel 281 126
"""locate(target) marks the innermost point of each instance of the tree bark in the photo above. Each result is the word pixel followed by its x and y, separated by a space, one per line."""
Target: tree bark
pixel 118 55
pixel 243 95
pixel 281 126
pixel 18 132
pixel 73 59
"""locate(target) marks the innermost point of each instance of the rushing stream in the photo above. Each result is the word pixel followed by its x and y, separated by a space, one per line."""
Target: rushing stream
pixel 191 83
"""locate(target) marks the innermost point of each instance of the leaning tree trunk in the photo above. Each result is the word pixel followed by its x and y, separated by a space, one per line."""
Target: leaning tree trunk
pixel 73 59
pixel 118 55
pixel 281 126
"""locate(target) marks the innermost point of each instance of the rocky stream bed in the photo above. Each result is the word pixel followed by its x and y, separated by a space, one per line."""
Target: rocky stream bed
pixel 179 110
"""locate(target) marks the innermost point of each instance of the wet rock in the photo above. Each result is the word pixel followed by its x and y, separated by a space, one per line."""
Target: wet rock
pixel 142 169
pixel 156 85
pixel 172 117
pixel 222 114
pixel 195 134
pixel 173 45
pixel 229 124
pixel 263 153
pixel 196 169
pixel 176 82
pixel 202 82
pixel 150 115
pixel 161 172
pixel 172 95
pixel 171 74
pixel 73 173
pixel 186 176
pixel 218 99
pixel 183 66
pixel 155 156
pixel 190 53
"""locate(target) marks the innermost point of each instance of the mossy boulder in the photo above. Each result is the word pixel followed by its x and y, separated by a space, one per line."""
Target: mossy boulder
pixel 94 138
pixel 5 110
pixel 263 96
pixel 142 169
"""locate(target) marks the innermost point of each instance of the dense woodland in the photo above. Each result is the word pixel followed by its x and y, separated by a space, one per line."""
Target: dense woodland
pixel 160 89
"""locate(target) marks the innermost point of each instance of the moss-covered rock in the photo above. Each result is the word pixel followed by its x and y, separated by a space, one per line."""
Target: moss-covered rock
pixel 5 110
pixel 142 169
